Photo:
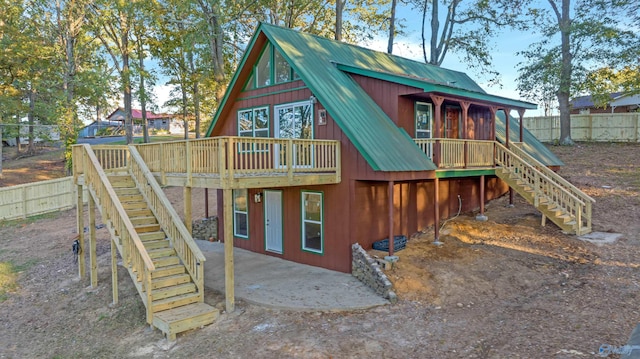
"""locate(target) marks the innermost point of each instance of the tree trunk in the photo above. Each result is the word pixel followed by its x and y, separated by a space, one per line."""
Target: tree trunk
pixel 1 146
pixel 143 93
pixel 339 9
pixel 392 26
pixel 196 92
pixel 435 25
pixel 126 79
pixel 184 110
pixel 30 117
pixel 564 91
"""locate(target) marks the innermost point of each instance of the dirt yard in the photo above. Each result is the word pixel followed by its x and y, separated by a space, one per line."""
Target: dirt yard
pixel 506 288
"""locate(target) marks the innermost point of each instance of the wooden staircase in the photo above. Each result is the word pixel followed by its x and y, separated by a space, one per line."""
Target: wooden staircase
pixel 561 202
pixel 176 304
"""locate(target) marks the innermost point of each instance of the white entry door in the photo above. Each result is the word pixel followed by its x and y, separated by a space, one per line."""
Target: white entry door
pixel 273 221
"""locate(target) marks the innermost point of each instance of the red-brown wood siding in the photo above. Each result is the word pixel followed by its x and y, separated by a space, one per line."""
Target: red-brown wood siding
pixel 413 205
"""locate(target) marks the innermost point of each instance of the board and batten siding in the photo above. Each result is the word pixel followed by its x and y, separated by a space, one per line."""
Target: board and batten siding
pixel 601 127
pixel 35 198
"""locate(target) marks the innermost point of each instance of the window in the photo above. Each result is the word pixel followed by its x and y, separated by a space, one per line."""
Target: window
pixel 253 122
pixel 240 213
pixel 423 120
pixel 263 68
pixel 271 68
pixel 312 218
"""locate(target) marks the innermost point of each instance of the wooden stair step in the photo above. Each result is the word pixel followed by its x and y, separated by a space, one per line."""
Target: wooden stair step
pixel 157 244
pixel 165 261
pixel 170 280
pixel 173 291
pixel 125 191
pixel 152 236
pixel 134 205
pixel 144 228
pixel 130 198
pixel 187 317
pixel 168 271
pixel 139 212
pixel 161 252
pixel 143 220
pixel 174 302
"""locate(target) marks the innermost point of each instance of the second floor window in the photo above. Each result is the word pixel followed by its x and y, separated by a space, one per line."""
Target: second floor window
pixel 253 122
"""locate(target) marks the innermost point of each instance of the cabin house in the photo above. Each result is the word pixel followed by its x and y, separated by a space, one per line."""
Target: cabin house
pixel 417 143
pixel 155 121
pixel 317 145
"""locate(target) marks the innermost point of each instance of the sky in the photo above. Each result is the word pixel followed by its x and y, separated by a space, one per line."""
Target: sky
pixel 505 59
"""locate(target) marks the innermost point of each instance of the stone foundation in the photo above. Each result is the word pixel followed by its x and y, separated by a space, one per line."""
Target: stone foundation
pixel 368 271
pixel 205 229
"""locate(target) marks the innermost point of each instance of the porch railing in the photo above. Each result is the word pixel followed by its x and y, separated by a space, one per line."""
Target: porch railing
pixel 457 153
pixel 229 157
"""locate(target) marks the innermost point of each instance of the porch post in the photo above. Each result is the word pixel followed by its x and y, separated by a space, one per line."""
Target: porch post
pixel 465 134
pixel 80 228
pixel 114 271
pixel 228 250
pixel 187 209
pixel 481 216
pixel 521 113
pixel 436 212
pixel 390 196
pixel 93 261
pixel 493 111
pixel 437 101
pixel 507 111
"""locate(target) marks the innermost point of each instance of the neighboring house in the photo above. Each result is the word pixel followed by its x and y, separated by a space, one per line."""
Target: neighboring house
pixel 407 134
pixel 97 127
pixel 619 103
pixel 157 121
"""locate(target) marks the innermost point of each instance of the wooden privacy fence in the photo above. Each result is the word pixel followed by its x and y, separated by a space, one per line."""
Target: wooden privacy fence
pixel 603 127
pixel 35 198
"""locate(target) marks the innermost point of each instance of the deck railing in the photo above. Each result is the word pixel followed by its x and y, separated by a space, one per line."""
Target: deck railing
pixel 545 186
pixel 134 254
pixel 561 182
pixel 231 157
pixel 169 220
pixel 457 153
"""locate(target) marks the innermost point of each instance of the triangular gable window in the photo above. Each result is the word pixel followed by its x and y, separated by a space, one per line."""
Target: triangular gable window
pixel 271 68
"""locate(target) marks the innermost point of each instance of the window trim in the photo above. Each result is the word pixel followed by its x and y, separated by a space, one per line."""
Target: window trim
pixel 303 220
pixel 236 211
pixel 252 81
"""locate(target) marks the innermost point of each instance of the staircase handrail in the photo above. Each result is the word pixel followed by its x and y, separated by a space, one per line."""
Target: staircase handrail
pixel 551 174
pixel 539 173
pixel 168 218
pixel 581 210
pixel 113 197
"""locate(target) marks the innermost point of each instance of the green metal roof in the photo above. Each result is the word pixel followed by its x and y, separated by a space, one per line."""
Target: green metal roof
pixel 531 144
pixel 325 66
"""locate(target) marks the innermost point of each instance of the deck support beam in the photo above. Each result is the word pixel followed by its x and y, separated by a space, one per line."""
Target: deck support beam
pixel 229 289
pixel 481 216
pixel 80 228
pixel 391 235
pixel 437 101
pixel 114 271
pixel 93 260
pixel 187 209
pixel 436 212
pixel 507 111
